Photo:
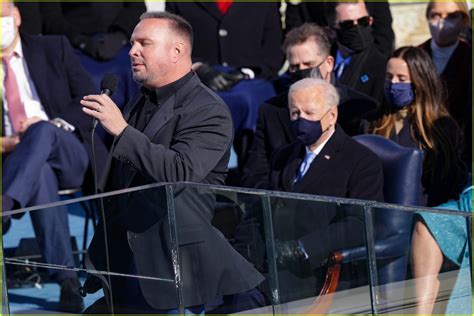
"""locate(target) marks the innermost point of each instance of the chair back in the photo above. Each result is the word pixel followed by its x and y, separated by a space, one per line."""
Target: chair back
pixel 402 168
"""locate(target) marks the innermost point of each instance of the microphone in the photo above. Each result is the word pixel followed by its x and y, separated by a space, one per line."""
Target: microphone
pixel 108 84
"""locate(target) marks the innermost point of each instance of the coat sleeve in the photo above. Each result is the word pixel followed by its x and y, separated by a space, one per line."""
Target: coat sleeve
pixel 200 141
pixel 272 40
pixel 54 21
pixel 128 17
pixel 382 27
pixel 346 228
pixel 257 169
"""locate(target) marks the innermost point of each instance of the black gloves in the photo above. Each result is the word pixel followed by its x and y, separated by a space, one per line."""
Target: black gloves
pixel 86 44
pixel 289 253
pixel 103 47
pixel 91 285
pixel 219 81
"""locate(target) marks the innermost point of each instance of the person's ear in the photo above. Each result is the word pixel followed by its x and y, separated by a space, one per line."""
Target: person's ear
pixel 329 63
pixel 16 17
pixel 178 50
pixel 371 20
pixel 333 113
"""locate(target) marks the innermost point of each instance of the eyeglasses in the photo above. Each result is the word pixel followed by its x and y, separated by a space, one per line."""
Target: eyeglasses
pixel 348 24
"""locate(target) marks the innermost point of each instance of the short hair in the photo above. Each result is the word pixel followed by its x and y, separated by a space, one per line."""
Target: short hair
pixel 329 92
pixel 176 23
pixel 305 32
pixel 330 9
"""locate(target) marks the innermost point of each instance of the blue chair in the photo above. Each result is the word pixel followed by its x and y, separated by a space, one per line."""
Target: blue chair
pixel 402 168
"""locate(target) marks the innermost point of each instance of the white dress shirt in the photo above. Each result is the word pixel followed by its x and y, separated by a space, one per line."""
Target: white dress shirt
pixel 29 96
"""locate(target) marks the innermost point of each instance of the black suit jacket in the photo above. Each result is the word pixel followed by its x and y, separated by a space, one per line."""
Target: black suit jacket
pixel 274 130
pixel 248 35
pixel 366 73
pixel 458 84
pixel 344 168
pixel 61 83
pixel 74 18
pixel 187 139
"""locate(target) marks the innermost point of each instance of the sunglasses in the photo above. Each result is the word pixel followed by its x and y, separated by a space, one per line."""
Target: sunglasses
pixel 348 24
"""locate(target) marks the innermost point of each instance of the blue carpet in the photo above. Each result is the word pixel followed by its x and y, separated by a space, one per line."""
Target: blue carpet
pixel 43 300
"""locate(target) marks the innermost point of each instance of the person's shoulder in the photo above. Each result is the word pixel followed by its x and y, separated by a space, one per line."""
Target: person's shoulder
pixel 53 40
pixel 275 103
pixel 282 155
pixel 375 57
pixel 195 94
pixel 426 45
pixel 446 123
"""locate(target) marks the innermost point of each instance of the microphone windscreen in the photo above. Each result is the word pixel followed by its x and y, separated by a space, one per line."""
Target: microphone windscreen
pixel 108 84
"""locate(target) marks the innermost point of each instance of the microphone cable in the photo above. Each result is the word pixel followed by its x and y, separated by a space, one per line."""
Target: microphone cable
pixel 108 86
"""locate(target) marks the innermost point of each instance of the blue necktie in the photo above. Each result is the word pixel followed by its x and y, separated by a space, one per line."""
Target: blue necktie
pixel 340 69
pixel 308 159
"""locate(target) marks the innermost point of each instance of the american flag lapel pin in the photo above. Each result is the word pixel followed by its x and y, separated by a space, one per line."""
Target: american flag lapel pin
pixel 327 157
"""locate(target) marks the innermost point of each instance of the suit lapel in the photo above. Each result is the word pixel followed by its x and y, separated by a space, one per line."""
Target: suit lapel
pixel 160 118
pixel 35 64
pixel 352 74
pixel 322 164
pixel 127 111
pixel 211 8
pixel 291 168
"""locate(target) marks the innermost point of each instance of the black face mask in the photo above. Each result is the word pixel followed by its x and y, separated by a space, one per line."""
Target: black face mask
pixel 356 38
pixel 307 132
pixel 305 73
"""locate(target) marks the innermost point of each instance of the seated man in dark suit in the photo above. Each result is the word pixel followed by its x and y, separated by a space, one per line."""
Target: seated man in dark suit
pixel 307 50
pixel 324 161
pixel 43 84
pixel 358 62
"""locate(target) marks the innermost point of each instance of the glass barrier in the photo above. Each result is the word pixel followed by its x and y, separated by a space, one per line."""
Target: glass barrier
pixel 423 261
pixel 310 238
pixel 221 247
pixel 220 250
pixel 132 249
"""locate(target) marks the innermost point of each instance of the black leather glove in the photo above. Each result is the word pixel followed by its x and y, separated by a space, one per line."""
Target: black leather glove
pixel 219 81
pixel 88 45
pixel 289 253
pixel 110 44
pixel 104 47
pixel 91 285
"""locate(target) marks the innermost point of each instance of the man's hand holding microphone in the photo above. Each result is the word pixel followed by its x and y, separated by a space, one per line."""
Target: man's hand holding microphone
pixel 103 109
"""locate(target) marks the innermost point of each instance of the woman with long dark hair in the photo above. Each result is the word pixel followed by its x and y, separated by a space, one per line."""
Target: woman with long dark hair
pixel 414 115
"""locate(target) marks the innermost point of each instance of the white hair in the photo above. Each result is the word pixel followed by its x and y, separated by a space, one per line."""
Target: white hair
pixel 328 92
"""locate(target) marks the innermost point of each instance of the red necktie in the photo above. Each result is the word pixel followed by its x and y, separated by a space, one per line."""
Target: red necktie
pixel 223 5
pixel 16 110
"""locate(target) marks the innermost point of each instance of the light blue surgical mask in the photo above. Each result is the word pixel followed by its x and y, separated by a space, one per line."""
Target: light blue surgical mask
pixel 8 31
